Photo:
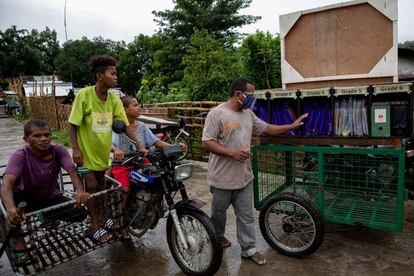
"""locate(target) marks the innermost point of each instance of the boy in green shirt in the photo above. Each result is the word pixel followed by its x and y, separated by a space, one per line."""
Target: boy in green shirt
pixel 94 110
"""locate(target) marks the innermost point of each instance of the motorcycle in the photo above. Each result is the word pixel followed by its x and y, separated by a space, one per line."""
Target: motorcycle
pixel 191 237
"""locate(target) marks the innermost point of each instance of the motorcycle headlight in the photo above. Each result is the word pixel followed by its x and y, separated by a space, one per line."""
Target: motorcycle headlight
pixel 183 171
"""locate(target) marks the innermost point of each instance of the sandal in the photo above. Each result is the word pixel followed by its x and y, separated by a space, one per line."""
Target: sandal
pixel 225 242
pixel 257 258
pixel 108 225
pixel 98 236
pixel 21 258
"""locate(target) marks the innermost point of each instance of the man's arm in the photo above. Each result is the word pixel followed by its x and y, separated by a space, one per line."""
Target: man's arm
pixel 76 152
pixel 237 154
pixel 14 215
pixel 277 130
pixel 81 196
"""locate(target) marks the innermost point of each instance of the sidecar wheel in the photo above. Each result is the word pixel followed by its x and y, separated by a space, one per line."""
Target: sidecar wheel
pixel 291 225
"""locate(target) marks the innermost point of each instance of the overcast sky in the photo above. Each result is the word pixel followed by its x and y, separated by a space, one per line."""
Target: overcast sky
pixel 125 19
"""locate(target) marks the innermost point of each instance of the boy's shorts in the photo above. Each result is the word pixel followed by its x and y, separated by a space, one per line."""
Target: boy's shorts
pixel 121 174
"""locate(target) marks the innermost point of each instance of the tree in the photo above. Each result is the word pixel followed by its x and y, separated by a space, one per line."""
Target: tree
pixel 409 44
pixel 24 53
pixel 71 62
pixel 209 68
pixel 219 18
pixel 260 55
pixel 135 61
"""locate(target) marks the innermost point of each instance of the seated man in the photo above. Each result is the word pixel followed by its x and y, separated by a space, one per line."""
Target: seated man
pixel 31 176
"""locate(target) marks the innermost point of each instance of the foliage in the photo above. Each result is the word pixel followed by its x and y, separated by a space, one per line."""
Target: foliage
pixel 154 95
pixel 409 44
pixel 61 137
pixel 219 17
pixel 135 61
pixel 148 95
pixel 260 55
pixel 23 118
pixel 72 60
pixel 27 53
pixel 166 66
pixel 193 56
pixel 209 68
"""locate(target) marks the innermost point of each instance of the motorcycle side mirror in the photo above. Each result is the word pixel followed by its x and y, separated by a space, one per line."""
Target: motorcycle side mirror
pixel 182 123
pixel 119 127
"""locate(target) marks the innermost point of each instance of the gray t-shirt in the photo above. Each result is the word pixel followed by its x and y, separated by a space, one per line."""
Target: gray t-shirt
pixel 143 135
pixel 232 130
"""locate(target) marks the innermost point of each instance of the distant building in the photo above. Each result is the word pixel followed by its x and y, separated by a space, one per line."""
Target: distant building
pixel 42 86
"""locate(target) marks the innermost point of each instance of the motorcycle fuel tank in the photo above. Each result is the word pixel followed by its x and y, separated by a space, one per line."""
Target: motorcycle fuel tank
pixel 139 177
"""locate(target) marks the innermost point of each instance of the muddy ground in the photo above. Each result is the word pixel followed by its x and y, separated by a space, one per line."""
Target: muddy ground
pixel 368 252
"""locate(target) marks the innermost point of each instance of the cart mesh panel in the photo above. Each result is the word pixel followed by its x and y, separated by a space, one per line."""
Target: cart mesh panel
pixel 56 236
pixel 348 185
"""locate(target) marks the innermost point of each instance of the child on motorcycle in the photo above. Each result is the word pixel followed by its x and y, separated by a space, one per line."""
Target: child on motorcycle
pixel 122 145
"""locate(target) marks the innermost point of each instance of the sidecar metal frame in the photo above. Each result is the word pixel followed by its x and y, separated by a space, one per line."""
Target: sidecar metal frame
pixel 50 243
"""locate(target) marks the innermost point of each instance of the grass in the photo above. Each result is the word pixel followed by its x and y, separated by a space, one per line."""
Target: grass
pixel 61 137
pixel 22 118
pixel 58 136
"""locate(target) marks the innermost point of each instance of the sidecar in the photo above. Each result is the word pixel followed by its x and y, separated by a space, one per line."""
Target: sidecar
pixel 53 237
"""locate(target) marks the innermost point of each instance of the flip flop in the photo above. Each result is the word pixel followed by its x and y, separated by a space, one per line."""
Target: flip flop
pixel 257 258
pixel 21 258
pixel 108 225
pixel 97 236
pixel 225 242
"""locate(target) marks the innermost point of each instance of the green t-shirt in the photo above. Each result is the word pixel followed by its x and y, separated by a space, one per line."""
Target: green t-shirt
pixel 94 119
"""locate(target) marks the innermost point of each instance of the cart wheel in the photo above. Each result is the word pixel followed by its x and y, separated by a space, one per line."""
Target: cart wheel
pixel 291 225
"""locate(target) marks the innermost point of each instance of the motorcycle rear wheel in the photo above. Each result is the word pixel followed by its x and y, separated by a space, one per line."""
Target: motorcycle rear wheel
pixel 204 246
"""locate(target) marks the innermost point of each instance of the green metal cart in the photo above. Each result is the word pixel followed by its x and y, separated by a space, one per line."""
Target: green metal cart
pixel 298 187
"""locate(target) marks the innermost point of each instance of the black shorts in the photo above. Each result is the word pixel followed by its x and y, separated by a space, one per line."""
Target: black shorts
pixel 68 213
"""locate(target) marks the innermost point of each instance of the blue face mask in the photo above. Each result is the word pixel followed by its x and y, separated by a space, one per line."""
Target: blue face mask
pixel 248 101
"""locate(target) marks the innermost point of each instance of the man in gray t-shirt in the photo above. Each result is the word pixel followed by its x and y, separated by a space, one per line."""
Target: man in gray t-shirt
pixel 227 136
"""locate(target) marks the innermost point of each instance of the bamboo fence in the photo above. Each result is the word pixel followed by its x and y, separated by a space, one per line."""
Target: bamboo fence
pixel 44 108
pixel 194 115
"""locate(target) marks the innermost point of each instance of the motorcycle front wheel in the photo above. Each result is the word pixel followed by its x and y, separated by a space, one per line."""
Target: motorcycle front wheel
pixel 204 253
